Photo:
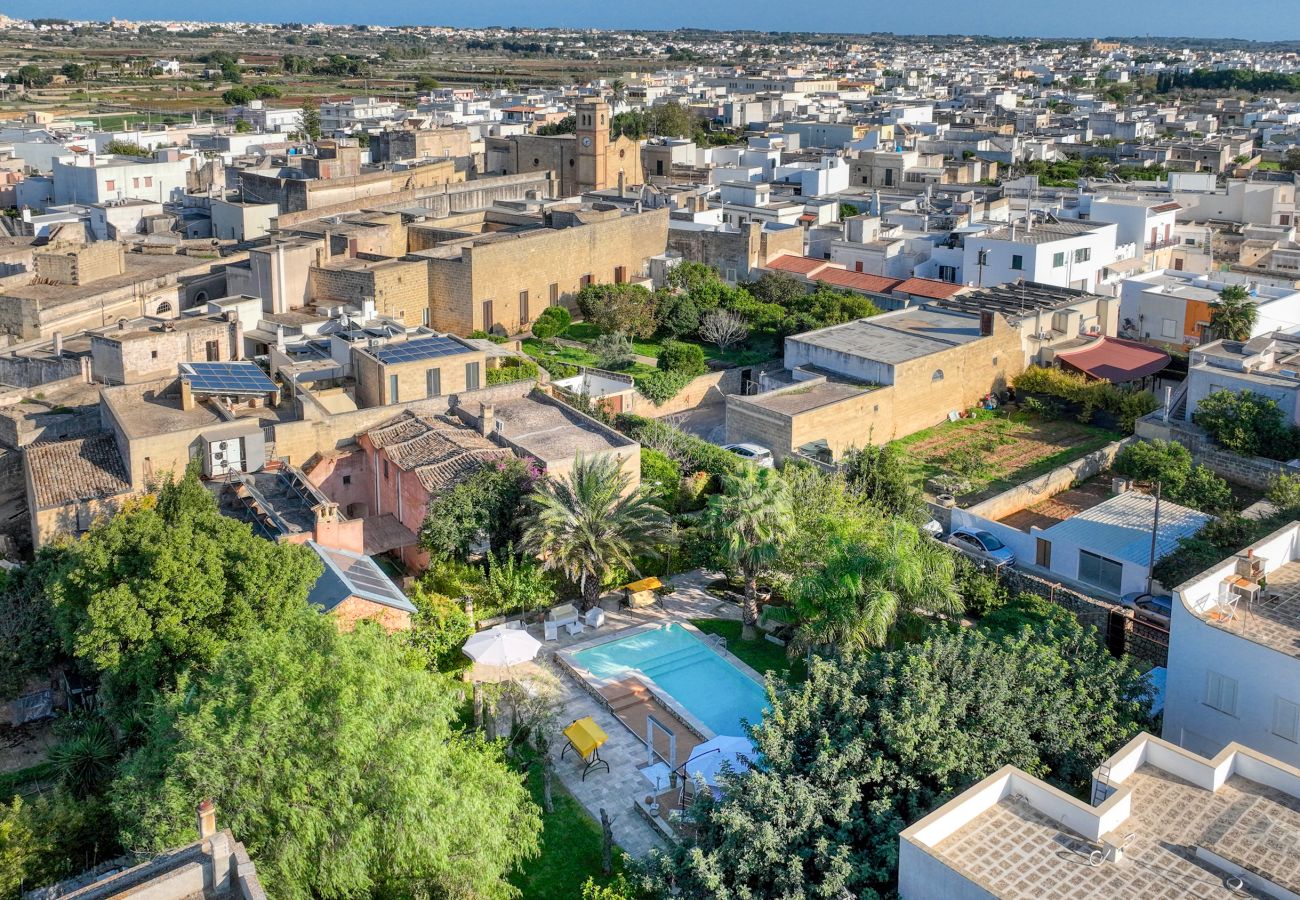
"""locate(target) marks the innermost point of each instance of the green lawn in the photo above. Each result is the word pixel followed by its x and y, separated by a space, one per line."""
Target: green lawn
pixel 761 655
pixel 570 848
pixel 993 451
pixel 575 356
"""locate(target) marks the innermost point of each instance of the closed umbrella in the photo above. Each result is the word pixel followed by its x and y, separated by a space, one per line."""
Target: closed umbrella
pixel 504 647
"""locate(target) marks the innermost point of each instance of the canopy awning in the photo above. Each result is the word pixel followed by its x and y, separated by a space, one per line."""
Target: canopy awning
pixel 1115 360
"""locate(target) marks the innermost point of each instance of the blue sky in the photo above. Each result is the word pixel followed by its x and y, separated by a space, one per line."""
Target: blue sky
pixel 1259 19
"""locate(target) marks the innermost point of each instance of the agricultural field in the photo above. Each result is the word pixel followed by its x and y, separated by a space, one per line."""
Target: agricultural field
pixel 979 456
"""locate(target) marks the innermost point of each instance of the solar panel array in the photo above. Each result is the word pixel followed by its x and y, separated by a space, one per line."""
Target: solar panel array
pixel 419 348
pixel 227 378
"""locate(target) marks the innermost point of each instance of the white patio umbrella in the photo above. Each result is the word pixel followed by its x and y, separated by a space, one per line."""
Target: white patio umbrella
pixel 708 758
pixel 501 647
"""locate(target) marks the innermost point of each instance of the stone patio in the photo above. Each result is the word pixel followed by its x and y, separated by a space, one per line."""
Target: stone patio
pixel 617 790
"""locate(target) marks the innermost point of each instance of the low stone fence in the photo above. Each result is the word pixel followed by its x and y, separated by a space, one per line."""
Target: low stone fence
pixel 1050 484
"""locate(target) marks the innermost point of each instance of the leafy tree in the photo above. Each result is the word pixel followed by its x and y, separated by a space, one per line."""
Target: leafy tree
pixel 869 586
pixel 689 276
pixel 777 287
pixel 240 95
pixel 567 125
pixel 438 630
pixel 1182 482
pixel 338 764
pixel 589 524
pixel 1284 491
pixel 679 315
pixel 1233 314
pixel 427 83
pixel 613 350
pixel 670 120
pixel 751 518
pixel 243 126
pixel 1245 423
pixel 73 72
pixel 848 211
pixel 18 847
pixel 552 322
pixel 826 306
pixel 629 308
pixel 168 585
pixel 882 476
pixel 1291 162
pixel 486 504
pixel 662 477
pixel 514 585
pixel 127 148
pixel 688 359
pixel 29 641
pixel 32 75
pixel 871 743
pixel 310 121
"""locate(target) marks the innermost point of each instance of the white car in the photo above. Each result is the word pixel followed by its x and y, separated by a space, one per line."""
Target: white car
pixel 983 546
pixel 759 456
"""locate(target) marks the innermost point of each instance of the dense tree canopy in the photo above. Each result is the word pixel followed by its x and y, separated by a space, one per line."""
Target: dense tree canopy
pixel 338 764
pixel 164 586
pixel 484 506
pixel 1170 464
pixel 870 744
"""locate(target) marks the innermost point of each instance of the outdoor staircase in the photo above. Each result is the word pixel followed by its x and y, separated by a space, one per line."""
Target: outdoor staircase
pixel 1178 404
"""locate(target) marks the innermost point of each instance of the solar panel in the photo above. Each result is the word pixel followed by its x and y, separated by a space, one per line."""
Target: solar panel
pixel 227 378
pixel 367 578
pixel 419 348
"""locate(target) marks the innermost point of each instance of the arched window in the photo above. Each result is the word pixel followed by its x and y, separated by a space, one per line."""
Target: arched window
pixel 163 308
pixel 937 376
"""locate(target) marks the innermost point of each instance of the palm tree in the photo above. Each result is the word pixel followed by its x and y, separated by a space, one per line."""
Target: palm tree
pixel 1233 315
pixel 866 589
pixel 751 517
pixel 588 524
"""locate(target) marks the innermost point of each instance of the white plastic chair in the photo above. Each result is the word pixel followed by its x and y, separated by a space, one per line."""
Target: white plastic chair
pixel 595 617
pixel 551 631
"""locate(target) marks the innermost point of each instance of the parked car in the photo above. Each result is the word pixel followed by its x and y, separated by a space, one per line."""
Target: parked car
pixel 1150 607
pixel 982 545
pixel 759 456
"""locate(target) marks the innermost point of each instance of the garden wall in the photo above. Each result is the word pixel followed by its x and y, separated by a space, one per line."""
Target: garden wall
pixel 1050 484
pixel 704 390
pixel 1252 471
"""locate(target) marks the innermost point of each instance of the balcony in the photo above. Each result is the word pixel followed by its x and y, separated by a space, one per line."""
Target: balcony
pixel 1162 244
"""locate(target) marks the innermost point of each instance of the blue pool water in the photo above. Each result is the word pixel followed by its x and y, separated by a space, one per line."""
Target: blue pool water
pixel 712 689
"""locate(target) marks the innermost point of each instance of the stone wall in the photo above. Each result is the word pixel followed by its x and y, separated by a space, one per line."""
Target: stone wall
pixel 399 287
pixel 82 265
pixel 703 390
pixel 1251 471
pixel 1050 484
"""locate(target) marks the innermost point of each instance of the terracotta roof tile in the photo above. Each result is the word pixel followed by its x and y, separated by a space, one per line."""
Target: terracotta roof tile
pixel 858 281
pixel 796 265
pixel 929 288
pixel 441 452
pixel 72 471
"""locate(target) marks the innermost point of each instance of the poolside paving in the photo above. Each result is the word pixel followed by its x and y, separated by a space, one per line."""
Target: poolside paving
pixel 616 790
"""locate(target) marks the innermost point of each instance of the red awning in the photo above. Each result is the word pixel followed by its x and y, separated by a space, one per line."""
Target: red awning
pixel 1115 360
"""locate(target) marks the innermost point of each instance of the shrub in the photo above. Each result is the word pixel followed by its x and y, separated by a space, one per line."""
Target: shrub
pixel 481 335
pixel 691 453
pixel 512 368
pixel 629 308
pixel 662 476
pixel 681 357
pixel 1171 464
pixel 679 315
pixel 1246 423
pixel 552 321
pixel 613 350
pixel 1089 396
pixel 660 387
pixel 1284 491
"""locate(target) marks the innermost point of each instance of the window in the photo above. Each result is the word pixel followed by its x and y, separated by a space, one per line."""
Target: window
pixel 948 274
pixel 1058 260
pixel 110 185
pixel 1017 262
pixel 937 376
pixel 385 470
pixel 135 182
pixel 584 280
pixel 555 293
pixel 148 181
pixel 620 274
pixel 1286 719
pixel 1168 328
pixel 523 307
pixel 1221 693
pixel 488 319
pixel 1100 571
pixel 1083 254
pixel 347 479
pixel 392 388
pixel 471 376
pixel 212 349
pixel 433 381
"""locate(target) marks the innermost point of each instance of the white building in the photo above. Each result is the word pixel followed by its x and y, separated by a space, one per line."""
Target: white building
pixel 347 115
pixel 266 118
pixel 1234 653
pixel 92 178
pixel 1173 307
pixel 1163 822
pixel 1267 365
pixel 1062 254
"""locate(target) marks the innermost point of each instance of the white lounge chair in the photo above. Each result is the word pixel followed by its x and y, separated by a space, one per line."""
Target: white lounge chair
pixel 595 617
pixel 551 631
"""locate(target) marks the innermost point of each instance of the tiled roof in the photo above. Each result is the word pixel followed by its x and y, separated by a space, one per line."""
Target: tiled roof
pixel 929 288
pixel 1116 360
pixel 796 265
pixel 440 451
pixel 858 281
pixel 73 471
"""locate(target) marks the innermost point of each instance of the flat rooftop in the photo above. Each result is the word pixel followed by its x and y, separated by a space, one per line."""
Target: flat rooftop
pixel 1184 825
pixel 897 337
pixel 1273 621
pixel 155 408
pixel 552 432
pixel 1042 232
pixel 802 398
pixel 140 267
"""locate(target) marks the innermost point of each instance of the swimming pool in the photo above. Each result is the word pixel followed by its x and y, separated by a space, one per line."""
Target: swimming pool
pixel 681 664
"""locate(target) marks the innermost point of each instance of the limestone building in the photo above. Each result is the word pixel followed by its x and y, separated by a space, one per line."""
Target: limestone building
pixel 588 160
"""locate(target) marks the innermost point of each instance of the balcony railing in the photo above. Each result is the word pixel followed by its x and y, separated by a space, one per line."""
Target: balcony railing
pixel 1161 244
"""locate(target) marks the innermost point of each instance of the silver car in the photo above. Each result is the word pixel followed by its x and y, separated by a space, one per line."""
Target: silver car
pixel 982 545
pixel 759 456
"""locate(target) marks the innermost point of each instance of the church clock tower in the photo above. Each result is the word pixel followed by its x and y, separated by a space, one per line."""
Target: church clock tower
pixel 593 145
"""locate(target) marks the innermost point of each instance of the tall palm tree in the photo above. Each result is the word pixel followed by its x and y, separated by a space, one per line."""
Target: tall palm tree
pixel 751 517
pixel 1233 315
pixel 588 524
pixel 867 588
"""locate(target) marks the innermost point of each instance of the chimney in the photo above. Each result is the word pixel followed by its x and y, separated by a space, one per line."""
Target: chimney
pixel 329 239
pixel 187 395
pixel 487 416
pixel 58 344
pixel 207 819
pixel 622 183
pixel 986 323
